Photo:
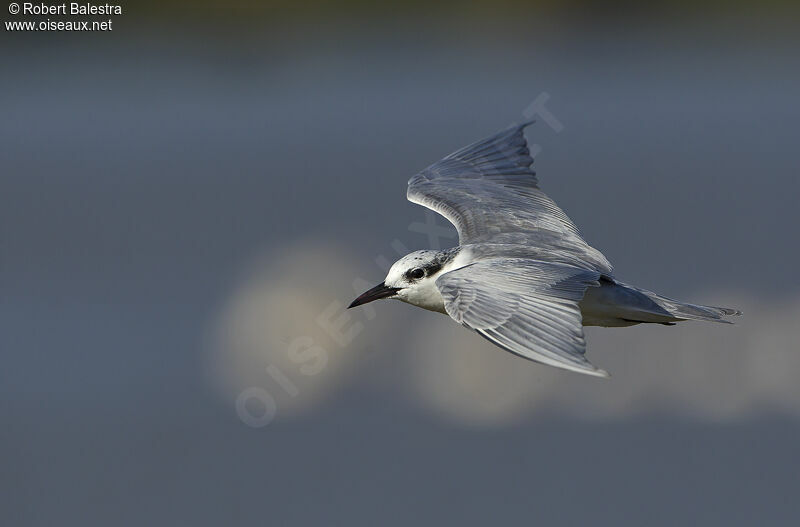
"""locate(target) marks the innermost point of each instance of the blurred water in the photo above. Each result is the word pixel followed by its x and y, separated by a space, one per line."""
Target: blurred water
pixel 143 178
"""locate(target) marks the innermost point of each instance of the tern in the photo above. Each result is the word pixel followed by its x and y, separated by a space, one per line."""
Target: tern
pixel 522 276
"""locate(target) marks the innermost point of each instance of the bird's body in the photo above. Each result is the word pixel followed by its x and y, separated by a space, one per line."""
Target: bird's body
pixel 522 276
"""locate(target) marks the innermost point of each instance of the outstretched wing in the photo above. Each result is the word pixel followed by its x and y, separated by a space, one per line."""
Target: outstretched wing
pixel 490 193
pixel 527 307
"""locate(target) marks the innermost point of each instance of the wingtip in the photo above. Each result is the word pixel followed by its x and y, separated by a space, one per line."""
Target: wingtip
pixel 523 124
pixel 601 373
pixel 592 370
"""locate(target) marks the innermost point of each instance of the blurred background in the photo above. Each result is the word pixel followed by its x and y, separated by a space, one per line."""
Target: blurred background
pixel 188 202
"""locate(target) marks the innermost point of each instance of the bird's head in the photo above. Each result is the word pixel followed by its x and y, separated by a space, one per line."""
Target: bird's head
pixel 410 279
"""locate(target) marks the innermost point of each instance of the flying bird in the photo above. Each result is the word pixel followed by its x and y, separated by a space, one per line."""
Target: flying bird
pixel 522 276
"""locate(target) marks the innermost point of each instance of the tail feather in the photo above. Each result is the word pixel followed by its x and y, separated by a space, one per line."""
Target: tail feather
pixel 691 311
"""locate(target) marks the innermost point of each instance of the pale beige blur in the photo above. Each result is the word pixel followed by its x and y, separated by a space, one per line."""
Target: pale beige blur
pixel 705 371
pixel 276 305
pixel 700 370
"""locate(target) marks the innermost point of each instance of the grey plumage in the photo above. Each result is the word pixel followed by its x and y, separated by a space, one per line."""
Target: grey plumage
pixel 526 307
pixel 490 193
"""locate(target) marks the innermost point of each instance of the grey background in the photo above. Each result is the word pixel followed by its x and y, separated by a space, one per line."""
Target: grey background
pixel 143 172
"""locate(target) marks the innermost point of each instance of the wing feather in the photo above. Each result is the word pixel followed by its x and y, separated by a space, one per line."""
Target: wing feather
pixel 490 193
pixel 527 307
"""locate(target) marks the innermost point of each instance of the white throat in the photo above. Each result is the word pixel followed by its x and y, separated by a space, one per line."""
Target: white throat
pixel 424 294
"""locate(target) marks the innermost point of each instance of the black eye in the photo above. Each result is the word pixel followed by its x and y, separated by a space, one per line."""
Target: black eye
pixel 416 274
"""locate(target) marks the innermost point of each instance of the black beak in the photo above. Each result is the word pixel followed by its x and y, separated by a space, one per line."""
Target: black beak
pixel 376 293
